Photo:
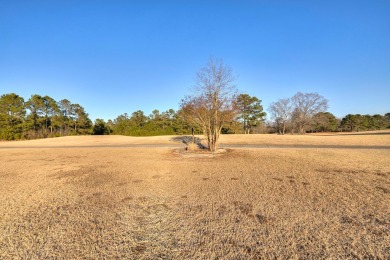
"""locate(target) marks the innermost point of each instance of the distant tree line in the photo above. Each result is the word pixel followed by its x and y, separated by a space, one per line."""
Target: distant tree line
pixel 169 122
pixel 359 122
pixel 306 112
pixel 249 118
pixel 309 115
pixel 40 117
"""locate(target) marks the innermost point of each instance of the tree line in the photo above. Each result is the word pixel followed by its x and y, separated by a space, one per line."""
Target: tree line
pixel 250 116
pixel 359 122
pixel 169 122
pixel 306 112
pixel 40 117
pixel 214 107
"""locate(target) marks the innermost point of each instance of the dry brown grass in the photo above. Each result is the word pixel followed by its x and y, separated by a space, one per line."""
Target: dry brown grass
pixel 372 138
pixel 143 203
pixel 192 147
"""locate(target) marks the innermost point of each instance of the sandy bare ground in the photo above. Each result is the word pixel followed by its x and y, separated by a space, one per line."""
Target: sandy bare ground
pixel 148 203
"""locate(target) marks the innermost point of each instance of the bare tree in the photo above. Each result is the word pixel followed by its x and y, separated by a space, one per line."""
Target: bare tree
pixel 281 112
pixel 306 105
pixel 211 104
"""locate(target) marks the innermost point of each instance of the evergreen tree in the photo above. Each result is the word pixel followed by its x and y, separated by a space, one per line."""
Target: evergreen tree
pixel 12 116
pixel 250 111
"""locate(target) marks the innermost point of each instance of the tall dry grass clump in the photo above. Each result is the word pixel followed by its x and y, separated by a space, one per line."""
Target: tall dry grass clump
pixel 191 146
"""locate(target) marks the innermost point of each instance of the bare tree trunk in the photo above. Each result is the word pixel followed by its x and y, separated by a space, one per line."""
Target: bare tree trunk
pixel 301 129
pixel 214 139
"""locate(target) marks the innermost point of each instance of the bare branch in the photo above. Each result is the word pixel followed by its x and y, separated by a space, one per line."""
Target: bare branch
pixel 211 103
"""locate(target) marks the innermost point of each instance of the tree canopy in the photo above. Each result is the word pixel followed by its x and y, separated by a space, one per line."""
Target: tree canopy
pixel 211 105
pixel 357 122
pixel 298 111
pixel 40 117
pixel 281 112
pixel 306 105
pixel 250 111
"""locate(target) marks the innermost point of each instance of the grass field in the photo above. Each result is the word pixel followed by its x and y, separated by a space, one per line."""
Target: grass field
pixel 373 138
pixel 148 203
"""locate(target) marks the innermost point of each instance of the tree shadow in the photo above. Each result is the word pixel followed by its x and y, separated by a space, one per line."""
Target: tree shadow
pixel 187 139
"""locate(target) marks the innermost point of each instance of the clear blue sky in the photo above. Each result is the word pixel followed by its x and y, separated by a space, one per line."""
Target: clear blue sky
pixel 114 57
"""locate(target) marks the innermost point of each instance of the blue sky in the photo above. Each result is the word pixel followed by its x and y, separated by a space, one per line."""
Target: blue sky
pixel 114 57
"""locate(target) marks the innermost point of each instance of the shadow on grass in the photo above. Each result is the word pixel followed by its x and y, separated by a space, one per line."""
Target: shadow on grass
pixel 187 139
